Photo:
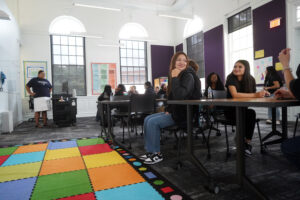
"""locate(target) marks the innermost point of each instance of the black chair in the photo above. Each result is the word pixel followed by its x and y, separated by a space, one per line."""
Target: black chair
pixel 141 106
pixel 121 112
pixel 296 124
pixel 220 117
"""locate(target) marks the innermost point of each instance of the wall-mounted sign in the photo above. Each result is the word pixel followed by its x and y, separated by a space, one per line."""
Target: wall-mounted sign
pixel 275 22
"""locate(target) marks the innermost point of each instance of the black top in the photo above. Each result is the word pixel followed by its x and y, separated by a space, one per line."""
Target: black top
pixel 149 91
pixel 269 82
pixel 186 86
pixel 104 96
pixel 239 85
pixel 41 87
pixel 295 88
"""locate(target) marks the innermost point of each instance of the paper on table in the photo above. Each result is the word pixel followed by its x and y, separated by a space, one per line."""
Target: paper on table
pixel 259 54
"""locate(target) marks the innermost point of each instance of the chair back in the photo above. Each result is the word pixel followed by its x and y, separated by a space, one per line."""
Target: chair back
pixel 121 108
pixel 142 103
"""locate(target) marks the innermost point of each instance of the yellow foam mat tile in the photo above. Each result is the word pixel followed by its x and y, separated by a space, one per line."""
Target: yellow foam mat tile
pixel 31 148
pixel 103 159
pixel 16 172
pixel 62 153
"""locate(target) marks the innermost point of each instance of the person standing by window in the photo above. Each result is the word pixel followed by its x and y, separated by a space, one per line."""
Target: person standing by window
pixel 41 89
pixel 272 83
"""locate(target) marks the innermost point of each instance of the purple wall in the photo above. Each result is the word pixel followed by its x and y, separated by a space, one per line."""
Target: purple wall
pixel 214 52
pixel 179 47
pixel 271 40
pixel 160 60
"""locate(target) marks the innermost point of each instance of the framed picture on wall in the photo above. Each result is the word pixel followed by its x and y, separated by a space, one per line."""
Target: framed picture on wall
pixel 31 69
pixel 103 74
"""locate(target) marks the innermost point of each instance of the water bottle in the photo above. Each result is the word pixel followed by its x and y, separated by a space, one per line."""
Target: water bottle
pixel 209 93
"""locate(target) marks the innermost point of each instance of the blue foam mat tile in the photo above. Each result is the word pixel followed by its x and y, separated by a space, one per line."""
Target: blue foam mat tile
pixel 23 158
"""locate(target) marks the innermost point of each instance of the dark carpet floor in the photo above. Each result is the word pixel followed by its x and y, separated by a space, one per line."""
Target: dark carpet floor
pixel 271 172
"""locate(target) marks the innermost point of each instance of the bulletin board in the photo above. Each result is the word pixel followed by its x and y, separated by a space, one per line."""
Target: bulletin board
pixel 260 66
pixel 103 74
pixel 31 69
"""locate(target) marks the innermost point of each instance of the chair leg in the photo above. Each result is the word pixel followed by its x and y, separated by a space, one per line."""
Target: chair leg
pixel 207 142
pixel 295 129
pixel 262 149
pixel 227 143
pixel 123 126
pixel 129 133
pixel 179 164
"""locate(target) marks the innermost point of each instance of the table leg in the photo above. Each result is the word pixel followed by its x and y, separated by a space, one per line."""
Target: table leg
pixel 102 121
pixel 110 129
pixel 274 131
pixel 284 123
pixel 242 179
pixel 211 187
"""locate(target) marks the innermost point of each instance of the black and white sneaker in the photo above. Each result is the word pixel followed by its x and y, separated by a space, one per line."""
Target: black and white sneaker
pixel 153 159
pixel 145 156
pixel 248 149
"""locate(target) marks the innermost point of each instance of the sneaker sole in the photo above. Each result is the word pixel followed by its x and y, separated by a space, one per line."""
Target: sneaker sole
pixel 152 163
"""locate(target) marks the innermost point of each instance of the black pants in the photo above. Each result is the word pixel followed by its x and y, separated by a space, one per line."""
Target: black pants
pixel 291 149
pixel 250 120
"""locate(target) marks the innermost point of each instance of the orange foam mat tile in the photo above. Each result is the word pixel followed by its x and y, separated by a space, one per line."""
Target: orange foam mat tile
pixel 31 148
pixel 114 176
pixel 62 165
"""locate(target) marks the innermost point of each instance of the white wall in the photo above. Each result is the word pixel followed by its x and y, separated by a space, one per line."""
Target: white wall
pixel 35 17
pixel 10 98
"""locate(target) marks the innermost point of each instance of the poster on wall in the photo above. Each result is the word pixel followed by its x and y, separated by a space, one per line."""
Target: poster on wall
pixel 103 74
pixel 260 66
pixel 31 69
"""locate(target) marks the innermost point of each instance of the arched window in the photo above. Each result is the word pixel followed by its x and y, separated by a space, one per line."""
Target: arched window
pixel 133 55
pixel 66 25
pixel 192 26
pixel 68 55
pixel 133 31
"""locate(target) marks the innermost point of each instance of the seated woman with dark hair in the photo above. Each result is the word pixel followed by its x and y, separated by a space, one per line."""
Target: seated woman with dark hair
pixel 183 85
pixel 104 96
pixel 214 82
pixel 120 90
pixel 290 147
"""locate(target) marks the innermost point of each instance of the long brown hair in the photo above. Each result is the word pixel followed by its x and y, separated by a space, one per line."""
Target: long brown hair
pixel 173 66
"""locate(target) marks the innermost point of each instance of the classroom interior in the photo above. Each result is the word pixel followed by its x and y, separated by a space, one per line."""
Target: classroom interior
pixel 82 45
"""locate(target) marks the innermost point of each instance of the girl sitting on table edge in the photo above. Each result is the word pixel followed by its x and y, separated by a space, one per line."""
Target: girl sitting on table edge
pixel 183 84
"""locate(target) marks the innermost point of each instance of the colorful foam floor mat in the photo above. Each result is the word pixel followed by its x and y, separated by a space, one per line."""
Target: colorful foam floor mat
pixel 79 169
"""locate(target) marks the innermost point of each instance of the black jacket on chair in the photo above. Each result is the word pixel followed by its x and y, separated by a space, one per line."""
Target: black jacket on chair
pixel 186 86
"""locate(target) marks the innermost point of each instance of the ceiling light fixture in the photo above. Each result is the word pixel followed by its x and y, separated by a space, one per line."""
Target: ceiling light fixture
pixel 174 16
pixel 98 7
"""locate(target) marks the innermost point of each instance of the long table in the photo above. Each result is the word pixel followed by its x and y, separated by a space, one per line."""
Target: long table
pixel 241 105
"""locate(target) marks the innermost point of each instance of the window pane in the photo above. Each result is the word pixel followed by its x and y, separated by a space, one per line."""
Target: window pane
pixel 130 80
pixel 65 60
pixel 72 50
pixel 129 62
pixel 79 41
pixel 72 41
pixel 56 49
pixel 141 45
pixel 135 45
pixel 141 53
pixel 123 52
pixel 124 79
pixel 141 62
pixel 129 45
pixel 72 60
pixel 135 62
pixel 56 39
pixel 57 60
pixel 79 51
pixel 64 50
pixel 123 44
pixel 135 53
pixel 79 60
pixel 129 53
pixel 123 62
pixel 130 71
pixel 64 40
pixel 136 79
